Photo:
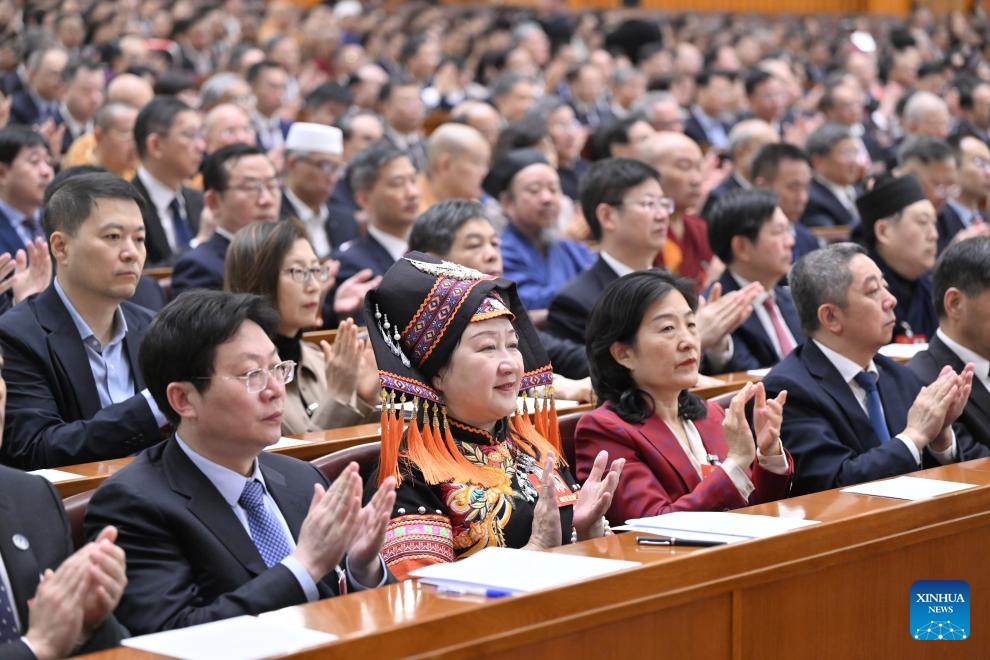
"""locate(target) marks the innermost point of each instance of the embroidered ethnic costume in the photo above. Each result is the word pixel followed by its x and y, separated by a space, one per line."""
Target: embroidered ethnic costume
pixel 461 488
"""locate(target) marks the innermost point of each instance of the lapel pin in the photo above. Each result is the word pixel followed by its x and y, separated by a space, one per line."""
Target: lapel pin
pixel 20 542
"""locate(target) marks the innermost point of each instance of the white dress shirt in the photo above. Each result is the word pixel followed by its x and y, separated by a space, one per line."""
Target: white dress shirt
pixel 396 247
pixel 316 223
pixel 848 370
pixel 981 364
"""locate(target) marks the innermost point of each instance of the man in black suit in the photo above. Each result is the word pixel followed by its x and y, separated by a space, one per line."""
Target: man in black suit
pixel 241 186
pixel 851 414
pixel 71 611
pixel 170 143
pixel 935 163
pixel 832 197
pixel 385 186
pixel 715 98
pixel 961 281
pixel 962 211
pixel 76 393
pixel 745 139
pixel 213 526
pixel 974 108
pixel 751 235
pixel 628 212
pixel 25 172
pixel 785 170
pixel 84 82
pixel 39 101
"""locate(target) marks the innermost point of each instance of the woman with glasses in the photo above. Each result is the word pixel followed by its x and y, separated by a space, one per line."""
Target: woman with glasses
pixel 333 386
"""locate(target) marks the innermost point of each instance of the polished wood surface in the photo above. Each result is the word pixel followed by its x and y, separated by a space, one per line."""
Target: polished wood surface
pixel 835 590
pixel 730 383
pixel 316 336
pixel 160 273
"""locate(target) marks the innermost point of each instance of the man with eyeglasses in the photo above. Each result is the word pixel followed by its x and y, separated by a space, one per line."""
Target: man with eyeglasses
pixel 241 187
pixel 214 526
pixel 314 157
pixel 75 393
pixel 169 138
pixel 962 216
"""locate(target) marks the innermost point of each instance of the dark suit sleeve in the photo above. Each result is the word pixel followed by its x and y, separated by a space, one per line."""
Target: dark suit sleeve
pixel 163 590
pixel 567 317
pixel 36 434
pixel 569 358
pixel 742 358
pixel 191 272
pixel 821 459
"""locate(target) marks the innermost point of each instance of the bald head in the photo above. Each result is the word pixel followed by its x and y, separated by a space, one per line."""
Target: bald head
pixel 457 161
pixel 661 146
pixel 479 115
pixel 130 89
pixel 681 165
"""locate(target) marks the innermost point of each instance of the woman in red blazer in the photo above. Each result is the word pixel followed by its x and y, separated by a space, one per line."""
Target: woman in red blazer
pixel 682 453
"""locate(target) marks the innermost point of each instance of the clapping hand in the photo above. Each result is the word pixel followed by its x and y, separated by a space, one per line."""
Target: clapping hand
pixel 596 497
pixel 369 534
pixel 767 418
pixel 720 315
pixel 546 516
pixel 343 361
pixel 738 436
pixel 350 294
pixel 109 575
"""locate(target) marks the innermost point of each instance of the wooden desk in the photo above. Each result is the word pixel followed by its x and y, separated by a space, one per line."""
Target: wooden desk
pixel 733 381
pixel 835 590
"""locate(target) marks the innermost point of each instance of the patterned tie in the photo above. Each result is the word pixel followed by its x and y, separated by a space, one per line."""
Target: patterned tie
pixel 266 532
pixel 783 337
pixel 33 227
pixel 8 625
pixel 873 406
pixel 182 234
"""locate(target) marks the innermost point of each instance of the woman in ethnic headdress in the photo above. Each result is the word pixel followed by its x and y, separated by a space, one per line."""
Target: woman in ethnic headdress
pixel 456 347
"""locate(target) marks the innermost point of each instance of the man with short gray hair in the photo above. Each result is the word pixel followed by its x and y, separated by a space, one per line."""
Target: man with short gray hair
pixel 745 139
pixel 926 114
pixel 851 414
pixel 834 155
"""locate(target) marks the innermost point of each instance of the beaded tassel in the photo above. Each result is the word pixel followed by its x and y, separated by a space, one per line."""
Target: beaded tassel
pixel 391 437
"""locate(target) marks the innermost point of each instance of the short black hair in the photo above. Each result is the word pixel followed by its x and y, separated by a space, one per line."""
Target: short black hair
pixel 181 343
pixel 15 137
pixel 71 202
pixel 362 171
pixel 216 172
pixel 255 69
pixel 964 266
pixel 705 76
pixel 616 317
pixel 768 158
pixel 78 64
pixel 606 181
pixel 156 117
pixel 738 213
pixel 328 92
pixel 434 230
pixel 608 133
pixel 171 83
pixel 754 78
pixel 393 83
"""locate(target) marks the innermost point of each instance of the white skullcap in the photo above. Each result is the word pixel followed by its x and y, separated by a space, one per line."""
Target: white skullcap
pixel 306 136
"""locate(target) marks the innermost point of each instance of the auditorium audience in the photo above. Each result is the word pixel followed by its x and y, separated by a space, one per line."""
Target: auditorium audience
pixel 681 452
pixel 745 139
pixel 853 415
pixel 213 526
pixel 834 155
pixel 25 171
pixel 785 170
pixel 962 216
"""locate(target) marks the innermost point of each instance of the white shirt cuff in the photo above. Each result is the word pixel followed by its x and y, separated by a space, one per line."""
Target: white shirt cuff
pixel 302 577
pixel 739 478
pixel 160 418
pixel 775 463
pixel 950 454
pixel 911 447
pixel 718 359
pixel 357 585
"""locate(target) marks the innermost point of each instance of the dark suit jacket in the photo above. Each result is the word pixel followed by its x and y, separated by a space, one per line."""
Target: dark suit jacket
pixel 976 416
pixel 10 240
pixel 201 267
pixel 829 434
pixel 23 109
pixel 659 477
pixel 752 348
pixel 949 224
pixel 159 251
pixel 804 241
pixel 189 559
pixel 149 294
pixel 283 127
pixel 343 208
pixel 824 209
pixel 694 130
pixel 30 507
pixel 339 227
pixel 53 408
pixel 567 315
pixel 729 184
pixel 363 252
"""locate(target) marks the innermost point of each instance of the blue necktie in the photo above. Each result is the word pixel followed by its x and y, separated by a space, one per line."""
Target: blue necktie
pixel 873 406
pixel 183 236
pixel 266 532
pixel 8 625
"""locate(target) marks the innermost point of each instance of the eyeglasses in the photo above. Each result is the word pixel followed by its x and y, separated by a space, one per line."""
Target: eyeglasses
pixel 257 379
pixel 302 275
pixel 255 186
pixel 328 167
pixel 652 204
pixel 981 163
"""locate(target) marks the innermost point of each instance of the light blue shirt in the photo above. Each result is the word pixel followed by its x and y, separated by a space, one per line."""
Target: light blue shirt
pixel 230 484
pixel 965 213
pixel 17 219
pixel 109 365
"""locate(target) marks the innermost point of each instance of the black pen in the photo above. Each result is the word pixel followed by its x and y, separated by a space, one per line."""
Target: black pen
pixel 671 540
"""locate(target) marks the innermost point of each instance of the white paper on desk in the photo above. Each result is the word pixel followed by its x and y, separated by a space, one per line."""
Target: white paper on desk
pixel 240 638
pixel 518 571
pixel 716 525
pixel 907 488
pixel 903 351
pixel 759 373
pixel 284 442
pixel 56 476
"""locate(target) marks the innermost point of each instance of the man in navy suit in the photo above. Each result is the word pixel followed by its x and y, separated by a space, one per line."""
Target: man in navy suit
pixel 706 123
pixel 385 186
pixel 84 92
pixel 25 172
pixel 853 415
pixel 214 526
pixel 961 282
pixel 785 169
pixel 962 212
pixel 39 101
pixel 241 186
pixel 745 139
pixel 76 393
pixel 832 197
pixel 751 235
pixel 268 80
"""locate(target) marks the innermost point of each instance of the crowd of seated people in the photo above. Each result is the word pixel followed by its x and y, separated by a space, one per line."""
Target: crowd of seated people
pixel 472 204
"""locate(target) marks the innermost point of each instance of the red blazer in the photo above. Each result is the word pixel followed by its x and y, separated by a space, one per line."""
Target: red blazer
pixel 658 476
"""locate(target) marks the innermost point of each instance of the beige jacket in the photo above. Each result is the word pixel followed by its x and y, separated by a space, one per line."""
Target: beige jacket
pixel 309 387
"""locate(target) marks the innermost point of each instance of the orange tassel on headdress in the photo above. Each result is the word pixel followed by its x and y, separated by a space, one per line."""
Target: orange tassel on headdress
pixel 535 443
pixel 391 437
